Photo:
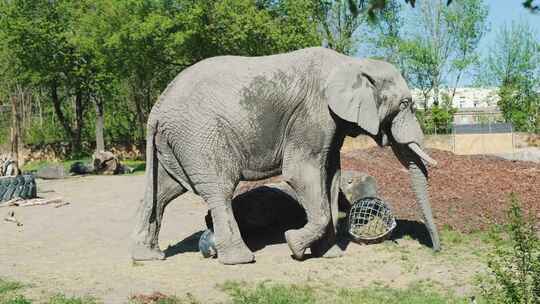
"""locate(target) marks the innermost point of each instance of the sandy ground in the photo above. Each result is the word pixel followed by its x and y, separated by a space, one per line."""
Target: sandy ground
pixel 82 249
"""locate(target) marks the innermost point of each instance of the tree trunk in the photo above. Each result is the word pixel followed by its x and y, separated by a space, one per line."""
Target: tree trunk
pixel 60 114
pixel 100 141
pixel 15 130
pixel 79 122
pixel 142 122
pixel 436 91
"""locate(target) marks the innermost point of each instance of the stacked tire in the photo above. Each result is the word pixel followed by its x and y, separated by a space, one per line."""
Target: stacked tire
pixel 20 186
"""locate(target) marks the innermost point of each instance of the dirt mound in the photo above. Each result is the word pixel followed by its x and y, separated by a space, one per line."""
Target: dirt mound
pixel 467 193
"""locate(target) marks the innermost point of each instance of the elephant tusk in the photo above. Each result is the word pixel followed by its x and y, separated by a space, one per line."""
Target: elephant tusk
pixel 423 155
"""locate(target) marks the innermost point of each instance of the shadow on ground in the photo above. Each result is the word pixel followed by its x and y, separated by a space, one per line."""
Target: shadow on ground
pixel 413 229
pixel 189 244
pixel 264 214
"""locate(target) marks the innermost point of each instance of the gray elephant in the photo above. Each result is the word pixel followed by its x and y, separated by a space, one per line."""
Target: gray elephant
pixel 229 118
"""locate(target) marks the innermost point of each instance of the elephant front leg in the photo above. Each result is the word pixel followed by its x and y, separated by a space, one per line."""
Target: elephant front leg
pixel 308 177
pixel 327 247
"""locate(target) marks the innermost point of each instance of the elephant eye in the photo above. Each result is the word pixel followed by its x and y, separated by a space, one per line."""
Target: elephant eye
pixel 403 105
pixel 406 102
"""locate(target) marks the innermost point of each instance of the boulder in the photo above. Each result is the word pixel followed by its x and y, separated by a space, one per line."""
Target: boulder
pixel 51 171
pixel 107 163
pixel 80 168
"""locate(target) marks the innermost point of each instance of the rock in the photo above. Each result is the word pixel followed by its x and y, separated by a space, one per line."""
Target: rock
pixel 106 163
pixel 81 168
pixel 51 171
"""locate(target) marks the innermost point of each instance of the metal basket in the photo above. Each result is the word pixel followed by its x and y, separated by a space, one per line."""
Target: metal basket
pixel 369 219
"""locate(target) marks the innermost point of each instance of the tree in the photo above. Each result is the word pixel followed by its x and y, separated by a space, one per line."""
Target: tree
pixel 339 19
pixel 37 35
pixel 514 66
pixel 438 46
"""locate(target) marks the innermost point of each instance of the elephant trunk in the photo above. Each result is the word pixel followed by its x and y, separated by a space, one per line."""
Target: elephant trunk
pixel 419 186
pixel 411 157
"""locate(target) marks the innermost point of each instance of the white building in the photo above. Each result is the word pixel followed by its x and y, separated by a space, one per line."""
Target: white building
pixel 475 105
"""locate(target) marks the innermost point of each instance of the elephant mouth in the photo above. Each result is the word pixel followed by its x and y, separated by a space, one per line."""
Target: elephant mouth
pixel 422 154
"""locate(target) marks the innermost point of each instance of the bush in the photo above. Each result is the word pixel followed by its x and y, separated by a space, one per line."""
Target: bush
pixel 515 264
pixel 520 105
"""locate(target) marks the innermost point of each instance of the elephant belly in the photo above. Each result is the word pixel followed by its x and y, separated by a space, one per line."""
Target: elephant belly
pixel 253 175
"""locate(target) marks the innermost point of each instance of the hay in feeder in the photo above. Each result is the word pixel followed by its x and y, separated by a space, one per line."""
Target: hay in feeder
pixel 370 218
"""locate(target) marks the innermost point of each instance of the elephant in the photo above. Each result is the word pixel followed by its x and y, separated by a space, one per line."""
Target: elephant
pixel 228 119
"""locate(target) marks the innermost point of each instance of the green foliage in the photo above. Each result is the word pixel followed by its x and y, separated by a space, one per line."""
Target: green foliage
pixel 269 294
pixel 437 119
pixel 62 299
pixel 436 44
pixel 515 264
pixel 8 286
pixel 117 56
pixel 520 106
pixel 420 293
pixel 514 66
pixel 7 290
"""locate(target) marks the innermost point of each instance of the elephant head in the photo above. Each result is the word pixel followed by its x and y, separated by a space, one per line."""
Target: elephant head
pixel 373 96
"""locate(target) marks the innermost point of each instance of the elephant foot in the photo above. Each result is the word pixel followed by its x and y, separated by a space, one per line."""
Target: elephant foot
pixel 235 255
pixel 296 242
pixel 326 248
pixel 140 252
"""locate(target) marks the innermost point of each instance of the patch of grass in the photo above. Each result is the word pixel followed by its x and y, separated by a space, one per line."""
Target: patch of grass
pixel 34 166
pixel 7 286
pixel 138 166
pixel 419 293
pixel 452 237
pixel 15 300
pixel 10 294
pixel 266 293
pixel 62 299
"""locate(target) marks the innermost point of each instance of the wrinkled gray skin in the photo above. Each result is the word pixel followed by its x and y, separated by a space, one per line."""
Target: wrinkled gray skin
pixel 227 119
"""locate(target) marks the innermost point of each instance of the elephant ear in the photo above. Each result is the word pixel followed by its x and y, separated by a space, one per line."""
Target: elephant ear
pixel 350 94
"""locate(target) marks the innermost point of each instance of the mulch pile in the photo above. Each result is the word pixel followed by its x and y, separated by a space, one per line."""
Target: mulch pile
pixel 467 193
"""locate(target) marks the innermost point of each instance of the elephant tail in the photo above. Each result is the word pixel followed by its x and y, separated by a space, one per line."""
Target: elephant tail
pixel 151 155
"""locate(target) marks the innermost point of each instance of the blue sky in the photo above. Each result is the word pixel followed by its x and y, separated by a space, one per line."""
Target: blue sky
pixel 504 12
pixel 500 12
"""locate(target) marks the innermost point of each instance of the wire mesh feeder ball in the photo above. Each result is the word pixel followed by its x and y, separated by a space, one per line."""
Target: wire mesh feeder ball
pixel 369 219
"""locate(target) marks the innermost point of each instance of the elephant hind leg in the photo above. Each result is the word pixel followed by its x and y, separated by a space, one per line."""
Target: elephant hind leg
pixel 230 246
pixel 161 189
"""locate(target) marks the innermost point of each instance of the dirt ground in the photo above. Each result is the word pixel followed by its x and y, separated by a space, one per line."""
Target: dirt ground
pixel 82 249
